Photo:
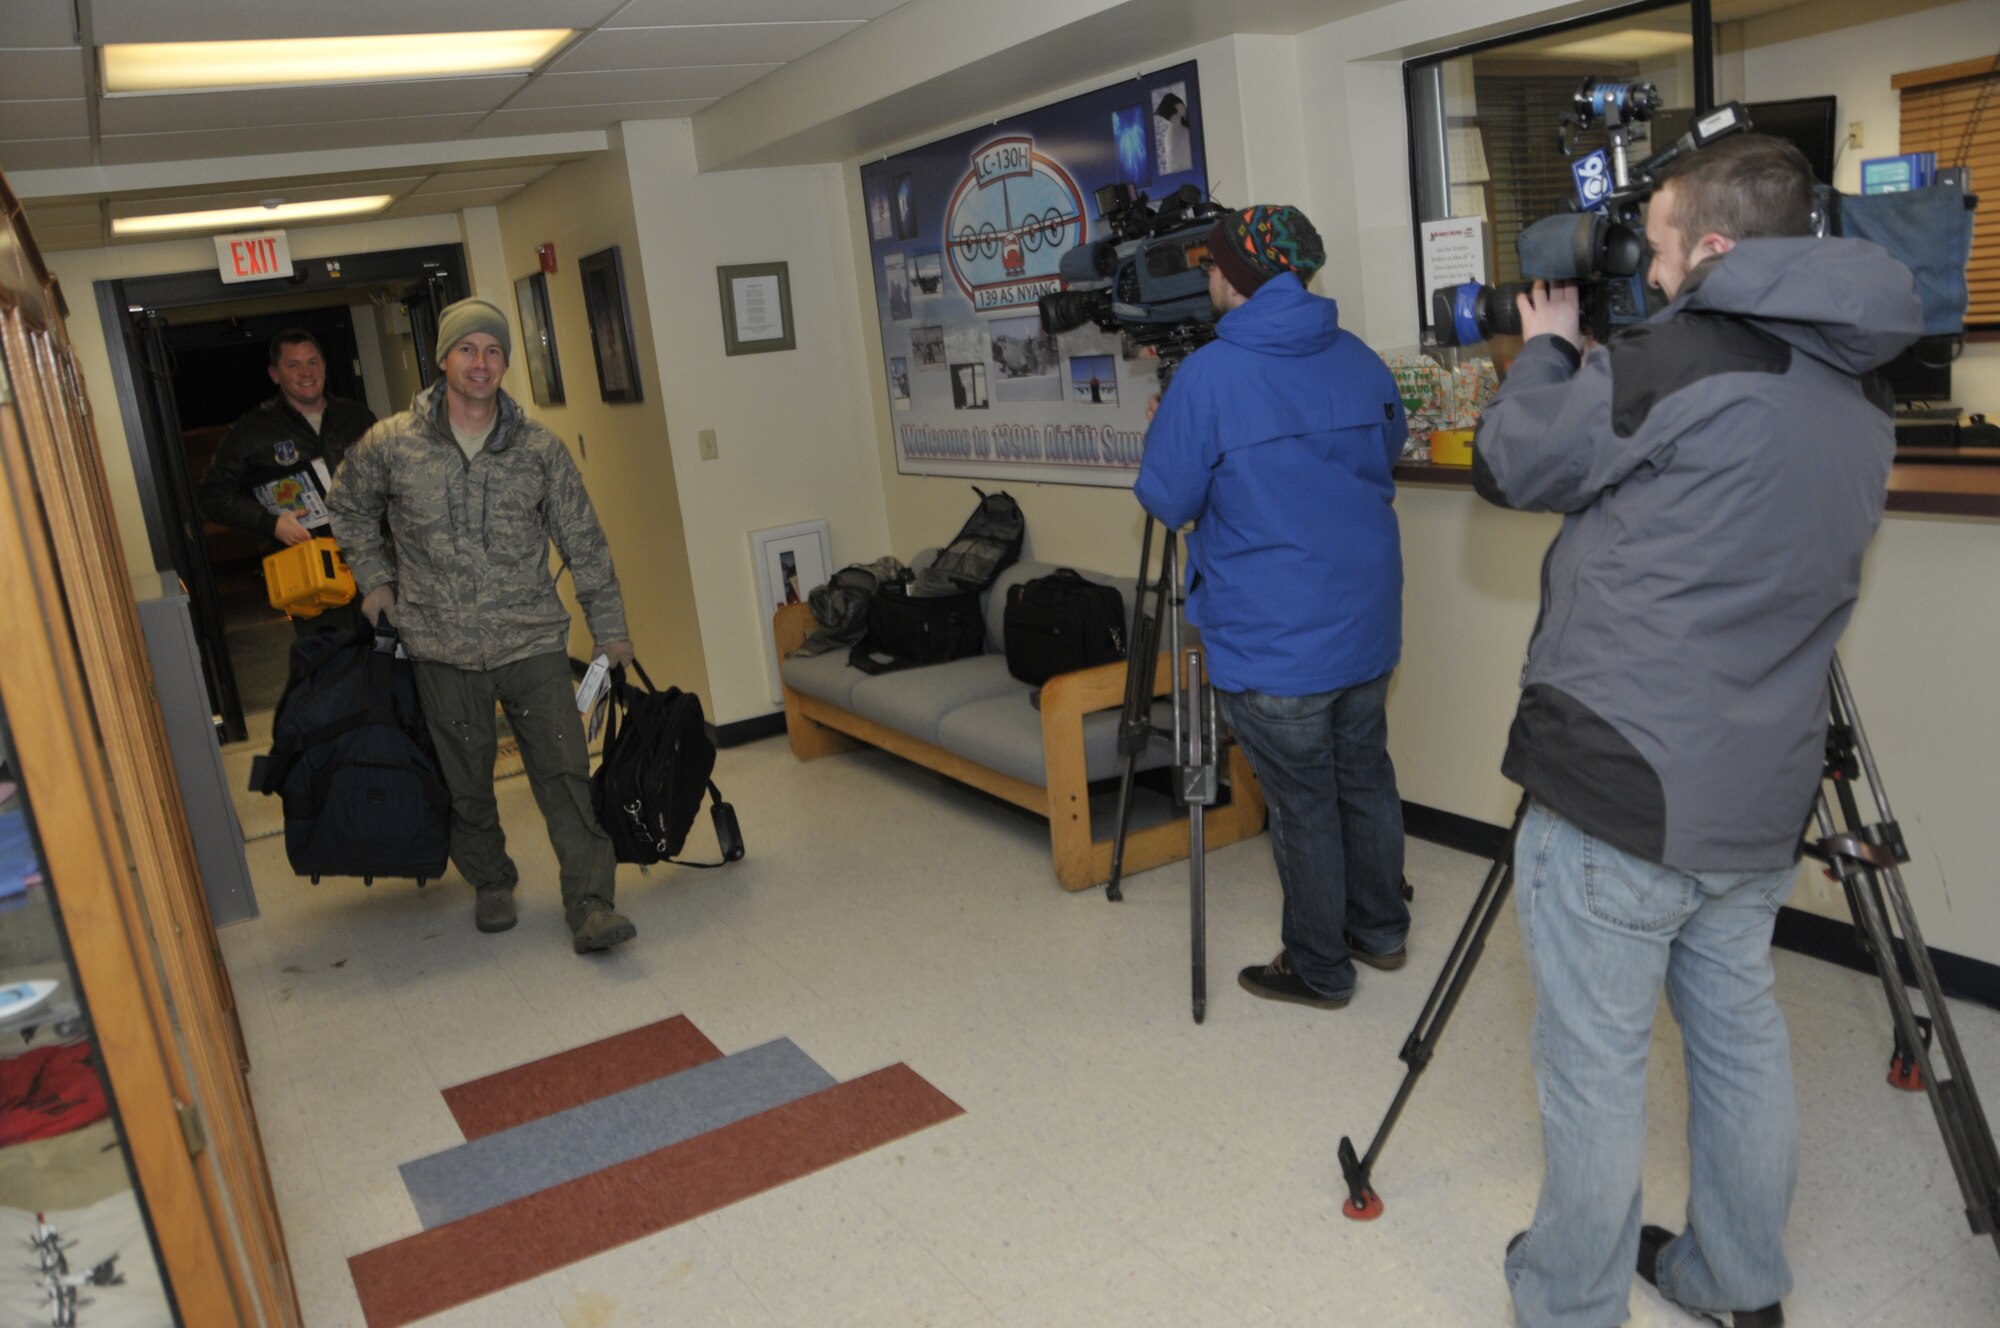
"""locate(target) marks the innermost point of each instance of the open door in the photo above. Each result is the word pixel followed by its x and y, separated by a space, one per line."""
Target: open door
pixel 174 489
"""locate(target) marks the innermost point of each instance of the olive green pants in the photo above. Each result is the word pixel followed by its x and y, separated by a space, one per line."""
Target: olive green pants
pixel 540 702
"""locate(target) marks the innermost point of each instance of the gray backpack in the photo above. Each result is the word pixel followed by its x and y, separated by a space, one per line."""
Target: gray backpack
pixel 986 545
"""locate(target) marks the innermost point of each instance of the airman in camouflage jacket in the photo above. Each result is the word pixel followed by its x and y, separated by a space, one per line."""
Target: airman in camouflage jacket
pixel 469 546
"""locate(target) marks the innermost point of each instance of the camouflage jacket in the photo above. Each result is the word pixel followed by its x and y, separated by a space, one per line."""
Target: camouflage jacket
pixel 468 541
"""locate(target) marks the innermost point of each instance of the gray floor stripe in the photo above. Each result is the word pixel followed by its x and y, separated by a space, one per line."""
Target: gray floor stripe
pixel 488 1172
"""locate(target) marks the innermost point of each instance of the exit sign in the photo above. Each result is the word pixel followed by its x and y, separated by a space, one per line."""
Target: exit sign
pixel 259 256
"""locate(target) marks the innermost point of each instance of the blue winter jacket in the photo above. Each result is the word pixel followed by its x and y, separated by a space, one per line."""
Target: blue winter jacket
pixel 1277 439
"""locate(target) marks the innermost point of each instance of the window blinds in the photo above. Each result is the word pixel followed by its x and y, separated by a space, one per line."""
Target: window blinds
pixel 1954 111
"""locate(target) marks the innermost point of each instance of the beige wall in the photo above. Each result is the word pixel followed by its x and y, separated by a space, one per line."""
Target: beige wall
pixel 621 448
pixel 79 270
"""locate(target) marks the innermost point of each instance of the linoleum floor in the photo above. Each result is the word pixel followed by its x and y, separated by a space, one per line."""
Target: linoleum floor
pixel 1116 1164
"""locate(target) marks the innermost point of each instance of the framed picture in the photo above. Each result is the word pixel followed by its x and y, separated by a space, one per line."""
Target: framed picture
pixel 790 563
pixel 611 341
pixel 538 339
pixel 757 308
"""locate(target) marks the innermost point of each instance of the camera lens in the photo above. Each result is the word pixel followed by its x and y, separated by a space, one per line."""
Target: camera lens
pixel 1064 311
pixel 1472 313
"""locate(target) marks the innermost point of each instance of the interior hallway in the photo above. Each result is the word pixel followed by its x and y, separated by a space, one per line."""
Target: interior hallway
pixel 1115 1164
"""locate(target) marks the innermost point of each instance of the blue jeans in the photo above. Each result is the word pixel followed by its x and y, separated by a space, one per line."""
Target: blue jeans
pixel 1603 931
pixel 1336 822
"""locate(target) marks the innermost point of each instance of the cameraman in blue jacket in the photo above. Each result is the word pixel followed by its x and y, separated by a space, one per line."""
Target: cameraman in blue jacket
pixel 1277 440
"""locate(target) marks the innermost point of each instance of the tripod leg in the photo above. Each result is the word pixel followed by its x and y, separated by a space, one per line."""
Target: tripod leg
pixel 1864 858
pixel 1193 692
pixel 1363 1203
pixel 1136 719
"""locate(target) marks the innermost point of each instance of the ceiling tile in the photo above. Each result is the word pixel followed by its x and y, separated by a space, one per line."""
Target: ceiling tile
pixel 714 44
pixel 569 119
pixel 44 154
pixel 636 85
pixel 661 13
pixel 41 215
pixel 248 111
pixel 447 182
pixel 37 23
pixel 418 204
pixel 58 238
pixel 225 20
pixel 44 119
pixel 124 149
pixel 29 75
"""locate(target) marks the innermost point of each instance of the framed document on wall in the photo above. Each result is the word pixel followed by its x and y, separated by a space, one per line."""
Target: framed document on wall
pixel 756 308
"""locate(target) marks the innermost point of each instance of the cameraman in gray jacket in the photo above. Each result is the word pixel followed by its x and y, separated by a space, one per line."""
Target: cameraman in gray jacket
pixel 1720 469
pixel 474 491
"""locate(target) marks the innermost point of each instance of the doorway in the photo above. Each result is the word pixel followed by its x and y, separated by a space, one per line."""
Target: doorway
pixel 196 357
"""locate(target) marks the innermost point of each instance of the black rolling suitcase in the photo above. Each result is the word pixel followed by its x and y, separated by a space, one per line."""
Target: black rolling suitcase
pixel 352 759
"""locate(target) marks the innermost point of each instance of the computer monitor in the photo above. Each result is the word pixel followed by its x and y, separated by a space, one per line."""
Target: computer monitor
pixel 1921 375
pixel 1805 122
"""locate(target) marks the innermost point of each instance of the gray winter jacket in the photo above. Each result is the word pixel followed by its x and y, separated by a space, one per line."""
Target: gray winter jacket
pixel 469 540
pixel 1721 469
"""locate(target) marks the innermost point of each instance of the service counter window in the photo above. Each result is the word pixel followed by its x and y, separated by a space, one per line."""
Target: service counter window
pixel 1515 137
pixel 1501 133
pixel 1496 129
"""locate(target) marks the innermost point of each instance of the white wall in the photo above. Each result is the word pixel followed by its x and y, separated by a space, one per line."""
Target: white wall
pixel 80 269
pixel 794 435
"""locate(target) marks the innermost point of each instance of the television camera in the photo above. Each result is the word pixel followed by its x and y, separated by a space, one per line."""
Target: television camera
pixel 1145 279
pixel 1600 242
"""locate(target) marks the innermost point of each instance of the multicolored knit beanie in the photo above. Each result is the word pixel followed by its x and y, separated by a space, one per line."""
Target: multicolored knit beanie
pixel 1251 245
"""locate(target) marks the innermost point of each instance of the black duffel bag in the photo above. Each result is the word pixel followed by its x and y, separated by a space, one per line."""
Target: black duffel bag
pixel 1060 623
pixel 351 756
pixel 906 630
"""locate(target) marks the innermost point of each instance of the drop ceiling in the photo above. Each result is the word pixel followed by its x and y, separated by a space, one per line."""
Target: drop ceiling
pixel 467 141
pixel 79 159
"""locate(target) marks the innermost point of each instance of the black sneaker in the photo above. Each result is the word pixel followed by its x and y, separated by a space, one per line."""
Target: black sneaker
pixel 1275 981
pixel 493 910
pixel 1388 962
pixel 1652 1240
pixel 601 929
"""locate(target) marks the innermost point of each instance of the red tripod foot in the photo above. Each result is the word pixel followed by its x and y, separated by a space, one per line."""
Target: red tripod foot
pixel 1906 1074
pixel 1367 1210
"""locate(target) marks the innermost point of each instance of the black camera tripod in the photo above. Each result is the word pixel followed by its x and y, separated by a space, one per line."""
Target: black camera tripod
pixel 1864 857
pixel 1196 732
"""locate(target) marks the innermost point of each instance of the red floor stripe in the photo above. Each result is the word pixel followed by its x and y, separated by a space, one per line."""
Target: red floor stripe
pixel 571 1078
pixel 490 1251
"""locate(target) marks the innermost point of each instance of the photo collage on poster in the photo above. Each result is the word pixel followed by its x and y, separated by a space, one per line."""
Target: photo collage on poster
pixel 967 233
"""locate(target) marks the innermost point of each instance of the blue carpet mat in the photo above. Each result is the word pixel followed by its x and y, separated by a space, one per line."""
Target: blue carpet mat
pixel 498 1168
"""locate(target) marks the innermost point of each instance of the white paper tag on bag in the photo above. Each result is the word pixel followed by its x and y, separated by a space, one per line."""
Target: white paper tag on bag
pixel 592 685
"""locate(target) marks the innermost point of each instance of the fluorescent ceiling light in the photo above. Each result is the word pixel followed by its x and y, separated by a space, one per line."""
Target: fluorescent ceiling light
pixel 215 66
pixel 225 218
pixel 1631 44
